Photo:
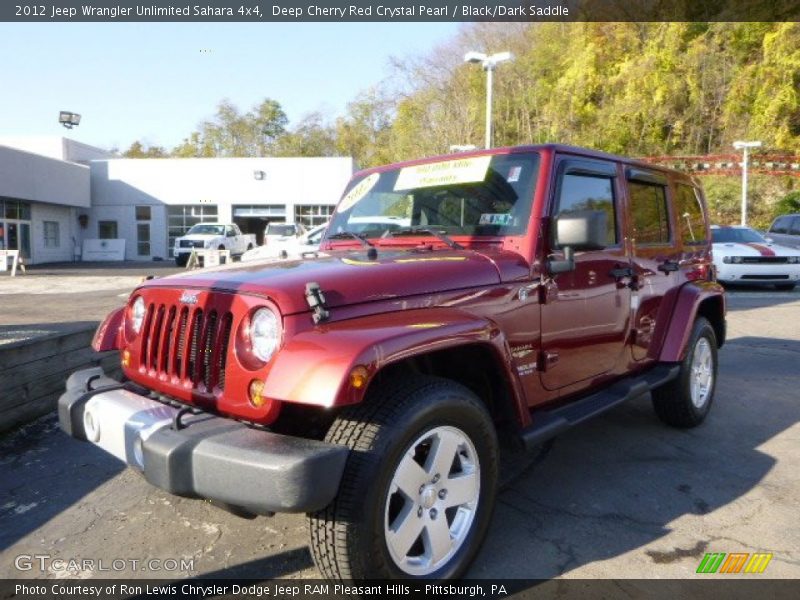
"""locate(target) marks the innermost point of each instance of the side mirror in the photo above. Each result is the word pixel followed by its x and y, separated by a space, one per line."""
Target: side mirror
pixel 579 230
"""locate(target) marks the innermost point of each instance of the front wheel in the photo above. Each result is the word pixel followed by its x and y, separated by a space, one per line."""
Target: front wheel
pixel 418 488
pixel 685 401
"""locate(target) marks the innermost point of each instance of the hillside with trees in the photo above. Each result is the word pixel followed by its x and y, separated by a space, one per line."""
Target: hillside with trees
pixel 639 89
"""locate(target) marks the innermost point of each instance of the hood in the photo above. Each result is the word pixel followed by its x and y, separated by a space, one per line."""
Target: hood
pixel 752 249
pixel 201 236
pixel 349 277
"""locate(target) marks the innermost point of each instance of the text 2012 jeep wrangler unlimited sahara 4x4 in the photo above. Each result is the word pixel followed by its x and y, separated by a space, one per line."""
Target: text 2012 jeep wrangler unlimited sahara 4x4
pixel 531 288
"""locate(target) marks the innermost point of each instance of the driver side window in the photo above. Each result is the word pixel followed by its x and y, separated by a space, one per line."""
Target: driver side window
pixel 589 192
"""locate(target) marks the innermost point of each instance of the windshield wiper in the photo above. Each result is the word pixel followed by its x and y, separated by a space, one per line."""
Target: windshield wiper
pixel 340 235
pixel 426 231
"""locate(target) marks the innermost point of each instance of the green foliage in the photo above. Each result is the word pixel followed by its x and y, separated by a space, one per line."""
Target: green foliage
pixel 138 150
pixel 232 133
pixel 790 203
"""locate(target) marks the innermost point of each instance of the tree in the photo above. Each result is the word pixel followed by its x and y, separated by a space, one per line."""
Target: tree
pixel 311 137
pixel 138 150
pixel 232 133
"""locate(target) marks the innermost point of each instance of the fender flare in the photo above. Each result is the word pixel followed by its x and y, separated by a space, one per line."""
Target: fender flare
pixel 314 366
pixel 107 335
pixel 690 302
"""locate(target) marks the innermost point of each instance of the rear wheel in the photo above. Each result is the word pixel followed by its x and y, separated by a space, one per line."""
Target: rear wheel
pixel 685 401
pixel 418 488
pixel 181 260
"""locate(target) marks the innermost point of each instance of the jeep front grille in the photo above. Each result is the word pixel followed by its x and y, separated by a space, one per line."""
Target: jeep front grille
pixel 186 344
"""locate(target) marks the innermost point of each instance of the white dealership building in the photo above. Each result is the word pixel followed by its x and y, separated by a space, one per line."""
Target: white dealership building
pixel 56 193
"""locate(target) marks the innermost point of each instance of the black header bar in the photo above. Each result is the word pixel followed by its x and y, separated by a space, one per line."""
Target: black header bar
pixel 333 11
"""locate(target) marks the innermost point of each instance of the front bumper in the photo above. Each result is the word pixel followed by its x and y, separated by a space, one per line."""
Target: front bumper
pixel 201 455
pixel 755 274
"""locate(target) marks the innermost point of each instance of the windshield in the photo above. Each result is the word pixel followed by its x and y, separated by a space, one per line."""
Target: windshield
pixel 207 230
pixel 281 229
pixel 729 235
pixel 475 196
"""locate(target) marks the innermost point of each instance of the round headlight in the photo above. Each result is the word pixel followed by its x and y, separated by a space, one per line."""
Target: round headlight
pixel 737 259
pixel 137 314
pixel 264 333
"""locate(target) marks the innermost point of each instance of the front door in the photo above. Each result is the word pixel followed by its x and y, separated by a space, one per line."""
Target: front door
pixel 586 313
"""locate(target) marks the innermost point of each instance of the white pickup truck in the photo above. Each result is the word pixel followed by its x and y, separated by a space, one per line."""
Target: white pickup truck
pixel 217 236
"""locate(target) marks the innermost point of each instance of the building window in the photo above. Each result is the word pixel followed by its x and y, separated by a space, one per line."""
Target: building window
pixel 143 239
pixel 312 215
pixel 14 209
pixel 181 217
pixel 142 213
pixel 51 235
pixel 107 230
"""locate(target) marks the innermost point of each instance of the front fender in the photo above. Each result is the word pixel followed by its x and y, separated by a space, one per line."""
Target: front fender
pixel 107 335
pixel 314 366
pixel 687 306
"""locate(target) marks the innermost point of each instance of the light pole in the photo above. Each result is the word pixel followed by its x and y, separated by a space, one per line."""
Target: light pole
pixel 488 62
pixel 743 146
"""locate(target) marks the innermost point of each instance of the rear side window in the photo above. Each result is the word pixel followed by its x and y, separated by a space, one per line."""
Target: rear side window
pixel 781 225
pixel 649 212
pixel 584 192
pixel 795 228
pixel 690 215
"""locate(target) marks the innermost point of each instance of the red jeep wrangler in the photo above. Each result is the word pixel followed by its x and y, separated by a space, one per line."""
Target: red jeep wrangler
pixel 456 301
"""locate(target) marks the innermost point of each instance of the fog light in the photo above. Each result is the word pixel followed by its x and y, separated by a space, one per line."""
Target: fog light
pixel 126 358
pixel 254 393
pixel 91 427
pixel 138 452
pixel 359 376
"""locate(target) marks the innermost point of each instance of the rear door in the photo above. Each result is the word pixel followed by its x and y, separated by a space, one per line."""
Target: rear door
pixel 655 253
pixel 586 315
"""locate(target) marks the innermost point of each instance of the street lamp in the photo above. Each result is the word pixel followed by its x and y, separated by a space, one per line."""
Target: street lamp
pixel 69 119
pixel 488 62
pixel 743 146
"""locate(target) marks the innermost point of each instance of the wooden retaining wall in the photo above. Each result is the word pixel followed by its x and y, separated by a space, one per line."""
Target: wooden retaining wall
pixel 33 372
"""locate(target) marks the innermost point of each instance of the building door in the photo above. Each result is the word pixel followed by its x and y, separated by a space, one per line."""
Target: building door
pixel 18 237
pixel 586 318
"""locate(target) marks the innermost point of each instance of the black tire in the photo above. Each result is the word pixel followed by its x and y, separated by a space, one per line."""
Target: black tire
pixel 675 403
pixel 249 246
pixel 181 259
pixel 348 537
pixel 784 287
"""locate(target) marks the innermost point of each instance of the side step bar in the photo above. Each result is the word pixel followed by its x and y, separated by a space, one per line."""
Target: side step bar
pixel 550 423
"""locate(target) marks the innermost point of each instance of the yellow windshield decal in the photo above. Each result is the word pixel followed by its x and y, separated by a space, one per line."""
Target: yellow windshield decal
pixel 462 170
pixel 358 192
pixel 359 263
pixel 431 259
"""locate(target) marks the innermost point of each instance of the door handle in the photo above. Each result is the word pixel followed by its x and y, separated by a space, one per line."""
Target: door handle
pixel 668 266
pixel 620 272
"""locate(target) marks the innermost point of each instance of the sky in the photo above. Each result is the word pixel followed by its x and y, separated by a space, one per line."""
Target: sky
pixel 155 82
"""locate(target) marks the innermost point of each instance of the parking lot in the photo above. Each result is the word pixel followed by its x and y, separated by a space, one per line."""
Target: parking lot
pixel 620 497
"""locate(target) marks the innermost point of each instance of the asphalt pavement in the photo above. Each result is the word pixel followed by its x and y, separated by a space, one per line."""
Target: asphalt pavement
pixel 620 497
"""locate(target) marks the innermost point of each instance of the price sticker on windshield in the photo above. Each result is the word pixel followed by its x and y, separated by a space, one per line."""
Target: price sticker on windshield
pixel 462 170
pixel 358 192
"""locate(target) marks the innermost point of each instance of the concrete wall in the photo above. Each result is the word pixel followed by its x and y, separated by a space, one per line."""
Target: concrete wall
pixel 55 146
pixel 33 372
pixel 68 228
pixel 31 177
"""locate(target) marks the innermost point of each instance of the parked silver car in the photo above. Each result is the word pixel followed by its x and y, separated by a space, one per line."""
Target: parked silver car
pixel 785 230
